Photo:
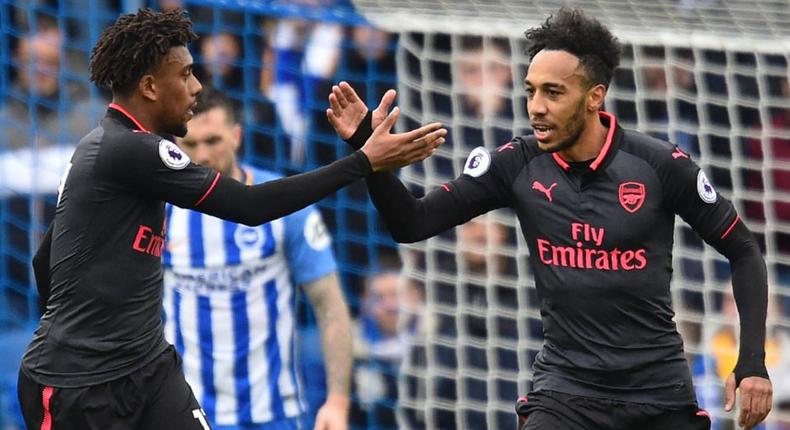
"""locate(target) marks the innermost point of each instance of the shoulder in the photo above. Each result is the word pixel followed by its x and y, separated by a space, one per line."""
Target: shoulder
pixel 655 152
pixel 116 137
pixel 123 148
pixel 507 158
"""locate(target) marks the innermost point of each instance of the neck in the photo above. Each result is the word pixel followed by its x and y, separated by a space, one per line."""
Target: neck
pixel 236 172
pixel 589 143
pixel 141 113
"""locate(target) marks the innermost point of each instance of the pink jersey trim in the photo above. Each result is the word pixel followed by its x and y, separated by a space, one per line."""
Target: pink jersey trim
pixel 120 109
pixel 732 226
pixel 211 188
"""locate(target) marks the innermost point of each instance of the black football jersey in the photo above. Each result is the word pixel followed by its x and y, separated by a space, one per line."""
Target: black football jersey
pixel 103 317
pixel 600 238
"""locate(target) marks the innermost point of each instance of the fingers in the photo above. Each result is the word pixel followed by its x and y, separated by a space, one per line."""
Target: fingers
pixel 386 101
pixel 332 117
pixel 431 137
pixel 426 146
pixel 348 92
pixel 729 393
pixel 389 121
pixel 746 409
pixel 756 397
pixel 341 97
pixel 420 132
pixel 334 104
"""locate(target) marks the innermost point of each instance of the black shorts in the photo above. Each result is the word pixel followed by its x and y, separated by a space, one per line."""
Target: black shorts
pixel 152 398
pixel 550 410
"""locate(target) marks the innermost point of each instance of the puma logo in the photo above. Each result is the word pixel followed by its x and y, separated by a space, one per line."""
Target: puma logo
pixel 547 191
pixel 679 154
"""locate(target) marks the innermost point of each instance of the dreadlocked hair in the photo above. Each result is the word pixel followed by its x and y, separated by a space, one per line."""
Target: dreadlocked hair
pixel 136 44
pixel 585 37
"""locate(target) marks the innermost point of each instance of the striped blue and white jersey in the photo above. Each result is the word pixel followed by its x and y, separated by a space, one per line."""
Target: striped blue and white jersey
pixel 229 306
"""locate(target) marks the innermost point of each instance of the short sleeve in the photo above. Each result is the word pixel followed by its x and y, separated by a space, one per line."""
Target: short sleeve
pixel 690 194
pixel 308 246
pixel 156 168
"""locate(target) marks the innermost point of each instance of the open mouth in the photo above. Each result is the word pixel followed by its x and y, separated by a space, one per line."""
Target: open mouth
pixel 542 132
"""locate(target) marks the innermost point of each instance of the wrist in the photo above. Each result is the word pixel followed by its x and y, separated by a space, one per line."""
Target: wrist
pixel 750 363
pixel 338 400
pixel 363 132
pixel 369 164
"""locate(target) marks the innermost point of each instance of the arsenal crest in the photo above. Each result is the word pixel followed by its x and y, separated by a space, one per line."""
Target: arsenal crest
pixel 632 195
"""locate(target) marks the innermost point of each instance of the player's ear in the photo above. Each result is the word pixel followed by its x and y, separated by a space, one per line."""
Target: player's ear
pixel 595 97
pixel 147 87
pixel 237 131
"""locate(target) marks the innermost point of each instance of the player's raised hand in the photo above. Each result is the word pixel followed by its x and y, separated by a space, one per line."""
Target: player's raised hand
pixel 756 397
pixel 387 151
pixel 346 110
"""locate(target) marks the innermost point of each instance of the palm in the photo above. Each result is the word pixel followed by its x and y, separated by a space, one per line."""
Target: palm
pixel 347 110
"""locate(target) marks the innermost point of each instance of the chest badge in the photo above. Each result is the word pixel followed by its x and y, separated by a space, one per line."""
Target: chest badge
pixel 632 196
pixel 542 188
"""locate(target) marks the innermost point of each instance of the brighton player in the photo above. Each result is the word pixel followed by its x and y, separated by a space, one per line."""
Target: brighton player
pixel 99 359
pixel 229 296
pixel 597 207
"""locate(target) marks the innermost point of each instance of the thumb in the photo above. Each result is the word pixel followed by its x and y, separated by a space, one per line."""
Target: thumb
pixel 729 393
pixel 386 100
pixel 388 122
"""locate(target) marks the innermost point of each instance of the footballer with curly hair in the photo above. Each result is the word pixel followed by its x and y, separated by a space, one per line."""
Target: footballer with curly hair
pixel 597 206
pixel 99 359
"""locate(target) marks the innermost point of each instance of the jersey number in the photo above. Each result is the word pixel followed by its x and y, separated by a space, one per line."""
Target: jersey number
pixel 201 417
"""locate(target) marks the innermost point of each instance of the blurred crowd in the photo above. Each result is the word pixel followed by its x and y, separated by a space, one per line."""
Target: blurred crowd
pixel 441 331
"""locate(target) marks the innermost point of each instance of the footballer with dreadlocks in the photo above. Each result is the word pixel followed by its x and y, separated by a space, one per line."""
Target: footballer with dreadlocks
pixel 99 359
pixel 597 206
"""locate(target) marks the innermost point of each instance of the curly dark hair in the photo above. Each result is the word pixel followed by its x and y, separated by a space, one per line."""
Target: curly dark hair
pixel 585 37
pixel 136 44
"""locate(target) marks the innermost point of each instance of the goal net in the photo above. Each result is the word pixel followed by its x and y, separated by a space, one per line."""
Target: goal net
pixel 711 76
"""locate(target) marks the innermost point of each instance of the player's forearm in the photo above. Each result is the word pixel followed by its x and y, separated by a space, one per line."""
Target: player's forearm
pixel 334 322
pixel 408 218
pixel 750 289
pixel 259 204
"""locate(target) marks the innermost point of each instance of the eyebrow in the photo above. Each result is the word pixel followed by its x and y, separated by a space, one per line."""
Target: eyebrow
pixel 548 85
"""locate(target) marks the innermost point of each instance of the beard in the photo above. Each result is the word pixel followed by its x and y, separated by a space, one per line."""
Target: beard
pixel 178 129
pixel 572 130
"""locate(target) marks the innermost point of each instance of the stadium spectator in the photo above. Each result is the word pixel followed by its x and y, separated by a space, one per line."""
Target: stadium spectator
pixel 303 54
pixel 220 54
pixel 248 275
pixel 41 113
pixel 389 317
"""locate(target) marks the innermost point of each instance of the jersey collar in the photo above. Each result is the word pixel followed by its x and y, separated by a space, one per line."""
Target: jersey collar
pixel 120 113
pixel 612 137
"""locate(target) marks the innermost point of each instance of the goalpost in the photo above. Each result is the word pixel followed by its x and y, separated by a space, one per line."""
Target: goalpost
pixel 709 75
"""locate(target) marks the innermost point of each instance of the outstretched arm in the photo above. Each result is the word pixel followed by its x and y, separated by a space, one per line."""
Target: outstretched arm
pixel 382 151
pixel 408 218
pixel 334 322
